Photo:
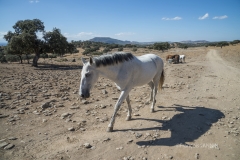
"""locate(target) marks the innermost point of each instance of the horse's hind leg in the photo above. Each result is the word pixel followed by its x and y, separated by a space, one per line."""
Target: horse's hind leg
pixel 151 84
pixel 129 109
pixel 154 97
pixel 155 88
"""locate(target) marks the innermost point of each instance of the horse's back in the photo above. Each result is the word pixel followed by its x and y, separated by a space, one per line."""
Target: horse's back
pixel 149 58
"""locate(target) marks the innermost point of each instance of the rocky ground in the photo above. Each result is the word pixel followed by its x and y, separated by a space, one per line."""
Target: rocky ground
pixel 197 113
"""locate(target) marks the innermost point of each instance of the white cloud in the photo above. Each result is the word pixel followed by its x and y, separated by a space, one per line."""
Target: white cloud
pixel 1 36
pixel 80 36
pixel 124 34
pixel 220 17
pixel 204 17
pixel 173 19
pixel 34 1
pixel 2 33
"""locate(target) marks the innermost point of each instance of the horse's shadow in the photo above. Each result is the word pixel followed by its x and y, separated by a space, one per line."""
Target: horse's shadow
pixel 186 126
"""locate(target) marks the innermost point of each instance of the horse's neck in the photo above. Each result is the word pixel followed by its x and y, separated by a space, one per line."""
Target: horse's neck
pixel 110 72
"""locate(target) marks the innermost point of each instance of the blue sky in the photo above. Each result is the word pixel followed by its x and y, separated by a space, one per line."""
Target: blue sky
pixel 133 20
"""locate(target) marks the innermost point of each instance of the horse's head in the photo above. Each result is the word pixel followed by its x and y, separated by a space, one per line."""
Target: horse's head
pixel 89 77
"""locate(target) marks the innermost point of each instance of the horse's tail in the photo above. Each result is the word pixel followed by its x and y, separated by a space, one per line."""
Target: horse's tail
pixel 161 81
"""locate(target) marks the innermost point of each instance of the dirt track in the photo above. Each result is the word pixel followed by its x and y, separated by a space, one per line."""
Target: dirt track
pixel 197 113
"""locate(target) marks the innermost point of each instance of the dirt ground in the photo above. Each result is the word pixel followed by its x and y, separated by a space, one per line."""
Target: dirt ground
pixel 197 113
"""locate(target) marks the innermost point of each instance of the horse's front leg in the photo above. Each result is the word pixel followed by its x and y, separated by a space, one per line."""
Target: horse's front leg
pixel 129 109
pixel 123 96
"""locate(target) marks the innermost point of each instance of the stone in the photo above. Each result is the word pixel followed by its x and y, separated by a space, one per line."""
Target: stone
pixel 82 129
pixel 3 144
pixel 104 91
pixel 74 107
pixel 71 129
pixel 197 155
pixel 148 134
pixel 107 139
pixel 64 115
pixel 12 138
pixel 102 106
pixel 60 105
pixel 85 102
pixel 3 116
pixel 87 145
pixel 64 98
pixel 119 148
pixel 46 105
pixel 129 141
pixel 9 146
pixel 36 112
pixel 138 135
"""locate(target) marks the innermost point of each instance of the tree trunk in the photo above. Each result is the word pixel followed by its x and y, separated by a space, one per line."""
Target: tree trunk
pixel 20 58
pixel 35 59
pixel 27 58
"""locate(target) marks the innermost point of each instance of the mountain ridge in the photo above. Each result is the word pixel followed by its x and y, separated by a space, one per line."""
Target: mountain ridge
pixel 121 42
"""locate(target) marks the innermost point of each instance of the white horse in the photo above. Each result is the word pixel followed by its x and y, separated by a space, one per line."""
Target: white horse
pixel 127 71
pixel 182 58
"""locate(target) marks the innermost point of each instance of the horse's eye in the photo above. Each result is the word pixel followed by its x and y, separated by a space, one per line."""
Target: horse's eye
pixel 87 74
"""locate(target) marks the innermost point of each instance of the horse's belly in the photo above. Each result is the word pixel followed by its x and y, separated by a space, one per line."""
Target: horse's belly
pixel 145 75
pixel 144 80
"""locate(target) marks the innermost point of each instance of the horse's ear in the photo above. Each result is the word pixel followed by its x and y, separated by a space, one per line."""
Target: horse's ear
pixel 84 61
pixel 91 60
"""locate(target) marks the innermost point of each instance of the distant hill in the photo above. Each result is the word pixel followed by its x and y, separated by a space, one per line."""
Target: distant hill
pixel 109 40
pixel 116 41
pixel 194 42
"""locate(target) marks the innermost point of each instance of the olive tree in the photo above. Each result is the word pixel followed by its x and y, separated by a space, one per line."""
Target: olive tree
pixel 24 39
pixel 56 42
pixel 161 46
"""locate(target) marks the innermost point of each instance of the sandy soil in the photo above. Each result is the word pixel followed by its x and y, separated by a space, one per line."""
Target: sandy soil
pixel 197 113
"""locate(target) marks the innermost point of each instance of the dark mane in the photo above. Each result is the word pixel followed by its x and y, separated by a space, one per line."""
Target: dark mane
pixel 111 59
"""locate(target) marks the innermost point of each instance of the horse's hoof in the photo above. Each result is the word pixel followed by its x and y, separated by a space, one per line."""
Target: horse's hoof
pixel 110 129
pixel 152 110
pixel 128 118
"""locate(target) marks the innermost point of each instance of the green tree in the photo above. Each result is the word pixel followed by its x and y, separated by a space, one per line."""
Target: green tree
pixel 24 39
pixel 71 48
pixel 106 50
pixel 16 47
pixel 2 55
pixel 222 44
pixel 161 46
pixel 235 42
pixel 134 49
pixel 120 49
pixel 56 42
